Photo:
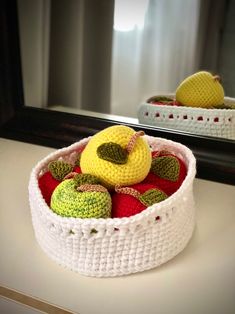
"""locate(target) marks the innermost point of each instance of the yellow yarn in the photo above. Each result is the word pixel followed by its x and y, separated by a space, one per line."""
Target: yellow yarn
pixel 201 89
pixel 133 171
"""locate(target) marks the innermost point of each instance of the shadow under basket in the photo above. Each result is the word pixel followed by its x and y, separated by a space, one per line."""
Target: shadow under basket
pixel 202 121
pixel 116 246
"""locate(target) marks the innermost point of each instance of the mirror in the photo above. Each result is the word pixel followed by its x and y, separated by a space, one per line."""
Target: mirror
pixel 105 58
pixel 42 126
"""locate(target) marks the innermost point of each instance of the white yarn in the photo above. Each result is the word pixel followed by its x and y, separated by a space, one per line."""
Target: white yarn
pixel 210 122
pixel 121 245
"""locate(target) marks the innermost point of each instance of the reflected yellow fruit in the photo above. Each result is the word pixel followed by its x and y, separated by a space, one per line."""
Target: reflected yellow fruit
pixel 135 168
pixel 201 89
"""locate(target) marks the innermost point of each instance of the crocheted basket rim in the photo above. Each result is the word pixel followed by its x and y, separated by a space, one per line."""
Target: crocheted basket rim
pixel 158 208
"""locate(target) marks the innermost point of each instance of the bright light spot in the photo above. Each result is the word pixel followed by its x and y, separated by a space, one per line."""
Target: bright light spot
pixel 129 14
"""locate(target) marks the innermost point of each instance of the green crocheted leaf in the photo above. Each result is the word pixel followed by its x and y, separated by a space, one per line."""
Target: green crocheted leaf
pixel 112 152
pixel 85 178
pixel 152 196
pixel 59 169
pixel 166 167
pixel 77 161
pixel 225 106
pixel 160 99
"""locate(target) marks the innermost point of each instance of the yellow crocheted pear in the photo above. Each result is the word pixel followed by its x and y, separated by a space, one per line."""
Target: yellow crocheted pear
pixel 201 89
pixel 117 155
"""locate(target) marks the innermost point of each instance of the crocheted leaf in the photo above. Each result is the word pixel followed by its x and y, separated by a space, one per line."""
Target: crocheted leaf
pixel 166 167
pixel 59 169
pixel 160 99
pixel 152 196
pixel 112 152
pixel 224 106
pixel 85 178
pixel 77 161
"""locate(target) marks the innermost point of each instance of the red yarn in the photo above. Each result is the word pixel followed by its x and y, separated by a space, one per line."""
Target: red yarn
pixel 47 184
pixel 77 169
pixel 167 186
pixel 124 205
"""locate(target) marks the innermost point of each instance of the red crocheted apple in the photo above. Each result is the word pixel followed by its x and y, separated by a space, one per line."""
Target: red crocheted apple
pixel 50 179
pixel 131 200
pixel 167 172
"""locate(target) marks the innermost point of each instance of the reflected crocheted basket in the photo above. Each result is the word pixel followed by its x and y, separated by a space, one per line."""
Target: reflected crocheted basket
pixel 202 121
pixel 108 247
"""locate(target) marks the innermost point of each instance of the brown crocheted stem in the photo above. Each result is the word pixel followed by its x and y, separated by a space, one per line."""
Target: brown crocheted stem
pixel 128 191
pixel 217 78
pixel 132 141
pixel 91 188
pixel 70 175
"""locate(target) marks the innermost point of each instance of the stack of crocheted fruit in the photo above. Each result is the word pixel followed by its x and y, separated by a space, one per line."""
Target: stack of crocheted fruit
pixel 201 89
pixel 115 175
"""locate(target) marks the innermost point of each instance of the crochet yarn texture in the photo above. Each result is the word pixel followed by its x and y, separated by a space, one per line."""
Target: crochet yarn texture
pixel 110 173
pixel 200 90
pixel 167 172
pixel 116 247
pixel 166 167
pixel 112 152
pixel 67 201
pixel 59 169
pixel 129 201
pixel 47 184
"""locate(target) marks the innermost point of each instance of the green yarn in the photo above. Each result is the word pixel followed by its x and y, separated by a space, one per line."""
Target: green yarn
pixel 152 196
pixel 77 161
pixel 162 99
pixel 166 167
pixel 59 169
pixel 66 201
pixel 225 106
pixel 85 178
pixel 112 152
pixel 93 231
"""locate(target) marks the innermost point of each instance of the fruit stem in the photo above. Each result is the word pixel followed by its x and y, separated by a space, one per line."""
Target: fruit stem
pixel 128 191
pixel 132 141
pixel 91 188
pixel 70 175
pixel 217 78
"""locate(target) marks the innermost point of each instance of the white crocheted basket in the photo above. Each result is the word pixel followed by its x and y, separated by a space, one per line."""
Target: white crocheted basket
pixel 120 246
pixel 209 122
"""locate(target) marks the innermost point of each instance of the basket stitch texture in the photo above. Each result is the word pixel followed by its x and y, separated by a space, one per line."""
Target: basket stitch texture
pixel 210 122
pixel 119 246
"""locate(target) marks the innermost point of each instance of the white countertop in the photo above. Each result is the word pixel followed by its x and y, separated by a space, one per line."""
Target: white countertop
pixel 199 280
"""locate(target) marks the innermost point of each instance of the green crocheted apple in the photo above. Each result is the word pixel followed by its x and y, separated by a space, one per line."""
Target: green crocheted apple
pixel 74 198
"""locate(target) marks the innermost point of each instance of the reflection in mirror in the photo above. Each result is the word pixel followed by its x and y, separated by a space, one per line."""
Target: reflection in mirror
pixel 109 56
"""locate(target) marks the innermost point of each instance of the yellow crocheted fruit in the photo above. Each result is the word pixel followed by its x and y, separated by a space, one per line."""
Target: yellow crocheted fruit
pixel 66 201
pixel 107 157
pixel 201 89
